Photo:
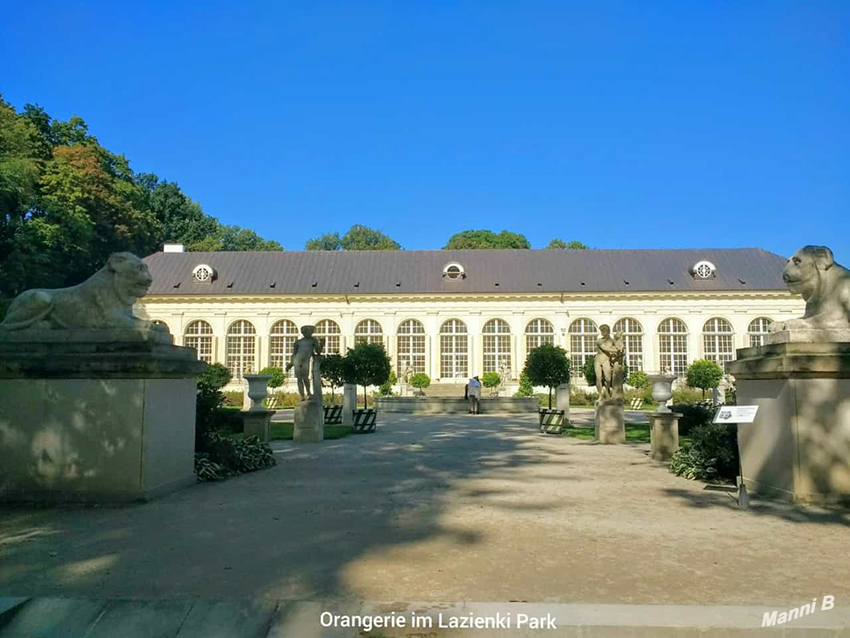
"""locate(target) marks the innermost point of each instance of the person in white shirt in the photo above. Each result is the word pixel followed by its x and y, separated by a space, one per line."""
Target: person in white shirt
pixel 473 393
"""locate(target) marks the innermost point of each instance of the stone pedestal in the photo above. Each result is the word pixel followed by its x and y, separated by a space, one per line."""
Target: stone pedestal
pixel 562 399
pixel 610 421
pixel 95 415
pixel 798 448
pixel 664 435
pixel 257 423
pixel 349 402
pixel 309 422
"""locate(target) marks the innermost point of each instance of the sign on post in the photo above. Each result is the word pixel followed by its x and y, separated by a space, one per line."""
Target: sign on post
pixel 736 414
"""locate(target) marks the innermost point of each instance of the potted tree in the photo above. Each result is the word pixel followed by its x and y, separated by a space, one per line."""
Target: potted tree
pixel 366 364
pixel 492 380
pixel 704 374
pixel 549 366
pixel 420 381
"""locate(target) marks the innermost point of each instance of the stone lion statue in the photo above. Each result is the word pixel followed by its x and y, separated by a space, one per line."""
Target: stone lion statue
pixel 824 285
pixel 104 300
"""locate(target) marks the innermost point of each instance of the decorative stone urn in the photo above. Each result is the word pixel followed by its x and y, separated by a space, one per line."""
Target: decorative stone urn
pixel 662 389
pixel 258 389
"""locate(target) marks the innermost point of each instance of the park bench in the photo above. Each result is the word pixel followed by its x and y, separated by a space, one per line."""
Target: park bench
pixel 333 414
pixel 364 420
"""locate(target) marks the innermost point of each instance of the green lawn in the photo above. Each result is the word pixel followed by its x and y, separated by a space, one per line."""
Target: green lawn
pixel 635 433
pixel 282 431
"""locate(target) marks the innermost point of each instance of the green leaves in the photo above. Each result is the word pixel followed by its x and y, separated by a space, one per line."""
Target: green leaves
pixel 560 244
pixel 358 237
pixel 478 239
pixel 547 365
pixel 704 374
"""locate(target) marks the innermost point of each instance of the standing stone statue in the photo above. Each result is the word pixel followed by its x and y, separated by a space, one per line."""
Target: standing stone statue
pixel 608 364
pixel 504 376
pixel 305 350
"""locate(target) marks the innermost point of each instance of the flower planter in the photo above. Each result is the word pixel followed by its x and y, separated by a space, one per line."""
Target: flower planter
pixel 258 389
pixel 662 389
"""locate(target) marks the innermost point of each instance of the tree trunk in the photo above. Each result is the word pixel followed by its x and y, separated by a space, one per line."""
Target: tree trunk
pixel 550 397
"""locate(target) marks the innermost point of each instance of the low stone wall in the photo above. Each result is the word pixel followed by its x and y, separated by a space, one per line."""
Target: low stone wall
pixel 443 405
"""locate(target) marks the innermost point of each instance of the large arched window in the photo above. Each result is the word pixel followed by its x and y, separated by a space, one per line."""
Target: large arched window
pixel 282 338
pixel 199 335
pixel 758 330
pixel 241 348
pixel 411 347
pixel 328 331
pixel 673 346
pixel 496 345
pixel 633 332
pixel 454 350
pixel 717 341
pixel 583 333
pixel 538 332
pixel 368 331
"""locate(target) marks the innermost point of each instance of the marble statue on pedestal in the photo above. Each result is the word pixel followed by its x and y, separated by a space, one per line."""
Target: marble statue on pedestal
pixel 305 351
pixel 608 364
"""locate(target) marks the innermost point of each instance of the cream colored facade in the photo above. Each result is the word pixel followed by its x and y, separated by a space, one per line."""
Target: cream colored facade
pixel 740 312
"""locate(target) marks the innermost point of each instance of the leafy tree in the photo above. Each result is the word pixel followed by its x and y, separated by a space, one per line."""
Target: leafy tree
pixel 491 379
pixel 704 374
pixel 277 376
pixel 358 237
pixel 547 365
pixel 386 388
pixel 588 371
pixel 486 239
pixel 216 376
pixel 420 381
pixel 563 245
pixel 334 373
pixel 638 379
pixel 368 364
pixel 209 401
pixel 525 388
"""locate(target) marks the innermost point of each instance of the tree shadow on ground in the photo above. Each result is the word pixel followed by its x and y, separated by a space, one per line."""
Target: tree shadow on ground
pixel 296 530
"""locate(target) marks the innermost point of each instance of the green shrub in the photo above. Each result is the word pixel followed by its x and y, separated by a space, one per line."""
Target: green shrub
pixel 525 388
pixel 582 397
pixel 209 400
pixel 334 373
pixel 420 380
pixel 224 457
pixel 215 376
pixel 711 456
pixel 588 371
pixel 693 415
pixel 704 374
pixel 684 394
pixel 731 395
pixel 638 380
pixel 639 393
pixel 491 379
pixel 235 398
pixel 386 389
pixel 277 376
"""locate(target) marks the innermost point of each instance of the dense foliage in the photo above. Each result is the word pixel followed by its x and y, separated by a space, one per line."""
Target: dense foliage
pixel 694 415
pixel 704 374
pixel 420 380
pixel 486 239
pixel 491 379
pixel 209 401
pixel 560 244
pixel 367 364
pixel 711 456
pixel 66 203
pixel 386 388
pixel 588 370
pixel 278 376
pixel 526 389
pixel 638 379
pixel 358 237
pixel 547 365
pixel 334 373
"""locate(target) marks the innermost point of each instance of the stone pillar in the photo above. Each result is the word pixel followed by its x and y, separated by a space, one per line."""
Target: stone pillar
pixel 610 421
pixel 349 403
pixel 562 399
pixel 664 435
pixel 309 422
pixel 257 423
pixel 796 448
pixel 104 415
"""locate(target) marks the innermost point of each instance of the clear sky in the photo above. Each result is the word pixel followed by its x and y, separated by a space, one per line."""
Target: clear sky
pixel 634 124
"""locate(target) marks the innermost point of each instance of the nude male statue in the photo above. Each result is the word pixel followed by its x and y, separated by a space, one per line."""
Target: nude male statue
pixel 303 351
pixel 608 361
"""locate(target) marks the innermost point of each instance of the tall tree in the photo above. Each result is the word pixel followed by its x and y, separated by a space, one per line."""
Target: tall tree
pixel 358 237
pixel 486 239
pixel 563 245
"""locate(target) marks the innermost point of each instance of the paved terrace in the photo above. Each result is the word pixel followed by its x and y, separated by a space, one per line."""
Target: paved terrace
pixel 437 509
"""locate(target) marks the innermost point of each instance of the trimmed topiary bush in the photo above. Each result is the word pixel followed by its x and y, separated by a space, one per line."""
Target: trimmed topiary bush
pixel 704 374
pixel 420 381
pixel 277 376
pixel 491 379
pixel 711 456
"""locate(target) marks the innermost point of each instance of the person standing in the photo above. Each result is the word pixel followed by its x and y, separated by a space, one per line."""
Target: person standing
pixel 473 393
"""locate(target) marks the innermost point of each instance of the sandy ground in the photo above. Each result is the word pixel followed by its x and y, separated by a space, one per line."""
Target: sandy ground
pixel 435 509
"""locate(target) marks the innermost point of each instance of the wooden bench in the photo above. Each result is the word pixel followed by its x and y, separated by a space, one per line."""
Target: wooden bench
pixel 333 414
pixel 365 420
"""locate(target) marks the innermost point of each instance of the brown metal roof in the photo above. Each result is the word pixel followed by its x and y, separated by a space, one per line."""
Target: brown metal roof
pixel 487 271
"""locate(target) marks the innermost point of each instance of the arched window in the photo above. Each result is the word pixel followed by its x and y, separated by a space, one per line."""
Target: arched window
pixel 538 332
pixel 496 345
pixel 673 346
pixel 368 331
pixel 583 333
pixel 282 337
pixel 717 342
pixel 758 330
pixel 199 335
pixel 328 331
pixel 411 347
pixel 241 348
pixel 633 332
pixel 454 350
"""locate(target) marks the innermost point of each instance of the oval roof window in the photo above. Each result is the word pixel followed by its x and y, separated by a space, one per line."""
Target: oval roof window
pixel 704 269
pixel 203 273
pixel 453 271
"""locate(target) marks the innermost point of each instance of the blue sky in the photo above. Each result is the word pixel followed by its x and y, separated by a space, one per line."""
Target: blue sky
pixel 628 125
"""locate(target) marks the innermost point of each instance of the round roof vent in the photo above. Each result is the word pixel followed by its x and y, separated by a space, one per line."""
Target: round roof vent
pixel 453 271
pixel 203 273
pixel 703 269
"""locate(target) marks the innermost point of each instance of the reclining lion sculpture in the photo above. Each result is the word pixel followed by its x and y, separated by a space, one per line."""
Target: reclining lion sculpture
pixel 825 287
pixel 104 300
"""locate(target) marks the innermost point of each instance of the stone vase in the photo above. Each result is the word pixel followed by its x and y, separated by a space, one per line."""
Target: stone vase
pixel 662 389
pixel 258 389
